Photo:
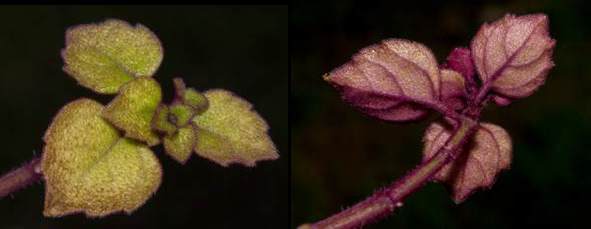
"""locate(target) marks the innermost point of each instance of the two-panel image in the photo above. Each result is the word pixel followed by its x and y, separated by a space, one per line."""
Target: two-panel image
pixel 306 115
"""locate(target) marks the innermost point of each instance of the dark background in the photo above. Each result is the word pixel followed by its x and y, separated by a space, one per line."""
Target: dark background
pixel 339 156
pixel 242 49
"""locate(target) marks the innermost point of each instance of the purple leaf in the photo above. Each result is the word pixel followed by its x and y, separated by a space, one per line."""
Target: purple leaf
pixel 453 89
pixel 460 60
pixel 395 80
pixel 514 54
pixel 487 154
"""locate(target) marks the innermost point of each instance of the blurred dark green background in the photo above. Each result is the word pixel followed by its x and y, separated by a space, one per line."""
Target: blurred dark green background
pixel 242 49
pixel 340 156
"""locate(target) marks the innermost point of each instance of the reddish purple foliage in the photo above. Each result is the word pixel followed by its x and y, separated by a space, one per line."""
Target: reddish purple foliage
pixel 514 54
pixel 400 80
pixel 394 80
pixel 489 153
pixel 460 60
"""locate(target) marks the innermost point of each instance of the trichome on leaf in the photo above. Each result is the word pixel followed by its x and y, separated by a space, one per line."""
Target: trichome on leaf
pixel 487 154
pixel 97 159
pixel 400 80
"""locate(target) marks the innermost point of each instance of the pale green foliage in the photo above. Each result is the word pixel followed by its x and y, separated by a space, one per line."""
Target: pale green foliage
pixel 161 121
pixel 196 100
pixel 190 96
pixel 107 55
pixel 182 113
pixel 180 145
pixel 133 109
pixel 231 132
pixel 89 168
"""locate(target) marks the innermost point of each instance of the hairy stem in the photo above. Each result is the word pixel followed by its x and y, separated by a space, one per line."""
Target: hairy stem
pixel 385 201
pixel 20 177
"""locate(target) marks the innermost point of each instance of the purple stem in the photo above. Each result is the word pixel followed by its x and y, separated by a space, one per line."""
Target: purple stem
pixel 20 177
pixel 384 202
pixel 482 93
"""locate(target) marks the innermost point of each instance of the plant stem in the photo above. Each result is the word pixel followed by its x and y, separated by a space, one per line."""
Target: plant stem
pixel 385 201
pixel 20 177
pixel 482 93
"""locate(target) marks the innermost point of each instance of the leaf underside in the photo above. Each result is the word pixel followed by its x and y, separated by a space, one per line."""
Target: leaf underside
pixel 485 156
pixel 400 80
pixel 392 81
pixel 514 54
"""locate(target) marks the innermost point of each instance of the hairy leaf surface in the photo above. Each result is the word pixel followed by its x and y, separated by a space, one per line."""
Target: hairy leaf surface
pixel 133 109
pixel 180 145
pixel 514 54
pixel 394 80
pixel 460 60
pixel 231 132
pixel 161 121
pixel 453 89
pixel 190 96
pixel 485 156
pixel 104 56
pixel 88 167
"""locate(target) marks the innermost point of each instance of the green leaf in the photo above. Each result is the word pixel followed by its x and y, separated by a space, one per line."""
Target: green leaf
pixel 215 147
pixel 231 132
pixel 133 109
pixel 182 113
pixel 89 168
pixel 195 100
pixel 104 56
pixel 180 145
pixel 190 96
pixel 161 121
